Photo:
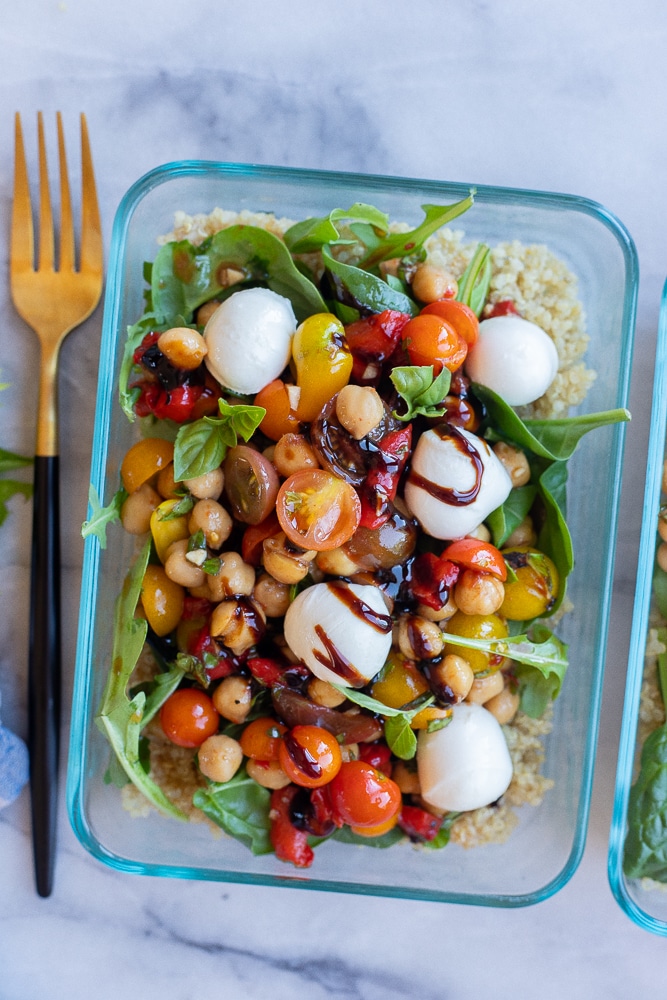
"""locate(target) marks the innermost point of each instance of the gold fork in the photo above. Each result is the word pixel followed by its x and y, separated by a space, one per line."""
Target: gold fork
pixel 52 300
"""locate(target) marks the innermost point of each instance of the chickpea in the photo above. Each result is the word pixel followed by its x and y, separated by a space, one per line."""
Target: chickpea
pixel 454 673
pixel 349 751
pixel 418 638
pixel 135 514
pixel 442 614
pixel 662 556
pixel 406 777
pixel 293 453
pixel 478 593
pixel 284 563
pixel 209 516
pixel 239 624
pixel 336 562
pixel 481 533
pixel 325 694
pixel 205 312
pixel 504 705
pixel 233 698
pixel 220 757
pixel 431 283
pixel 235 578
pixel 180 569
pixel 185 348
pixel 267 773
pixel 484 688
pixel 523 534
pixel 207 487
pixel 514 461
pixel 272 596
pixel 359 408
pixel 167 486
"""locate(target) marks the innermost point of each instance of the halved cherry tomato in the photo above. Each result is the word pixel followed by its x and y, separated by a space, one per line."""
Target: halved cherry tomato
pixel 477 555
pixel 251 484
pixel 280 418
pixel 188 717
pixel 143 460
pixel 310 756
pixel 458 315
pixel 317 510
pixel 362 796
pixel 261 738
pixel 431 340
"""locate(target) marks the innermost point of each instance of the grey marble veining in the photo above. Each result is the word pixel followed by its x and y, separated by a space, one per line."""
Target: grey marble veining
pixel 565 96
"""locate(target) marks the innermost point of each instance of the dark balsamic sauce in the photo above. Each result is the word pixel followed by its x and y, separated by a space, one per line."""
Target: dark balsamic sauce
pixel 447 494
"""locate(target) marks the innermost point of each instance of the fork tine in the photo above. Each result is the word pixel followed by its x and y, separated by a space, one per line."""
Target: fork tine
pixel 91 227
pixel 66 262
pixel 45 212
pixel 22 241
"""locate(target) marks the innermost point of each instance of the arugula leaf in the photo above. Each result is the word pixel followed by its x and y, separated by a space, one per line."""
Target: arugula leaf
pixel 241 808
pixel 10 460
pixel 202 445
pixel 184 276
pixel 362 290
pixel 404 244
pixel 163 685
pixel 135 334
pixel 8 489
pixel 119 717
pixel 101 517
pixel 475 280
pixel 423 391
pixel 311 235
pixel 506 518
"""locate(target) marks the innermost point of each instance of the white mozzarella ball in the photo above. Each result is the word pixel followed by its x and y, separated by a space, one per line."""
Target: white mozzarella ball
pixel 465 765
pixel 249 339
pixel 514 357
pixel 442 460
pixel 328 628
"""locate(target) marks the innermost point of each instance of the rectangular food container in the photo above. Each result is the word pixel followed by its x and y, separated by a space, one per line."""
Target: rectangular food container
pixel 545 848
pixel 645 901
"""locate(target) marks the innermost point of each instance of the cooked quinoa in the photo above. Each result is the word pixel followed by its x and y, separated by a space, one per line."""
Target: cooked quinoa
pixel 545 292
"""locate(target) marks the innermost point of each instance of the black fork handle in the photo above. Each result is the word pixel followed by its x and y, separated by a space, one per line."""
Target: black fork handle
pixel 44 668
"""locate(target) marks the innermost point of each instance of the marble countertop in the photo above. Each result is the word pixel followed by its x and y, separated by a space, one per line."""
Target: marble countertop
pixel 565 96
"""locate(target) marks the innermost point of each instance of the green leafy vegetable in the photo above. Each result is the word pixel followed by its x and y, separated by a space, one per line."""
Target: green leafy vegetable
pixel 505 519
pixel 397 731
pixel 364 291
pixel 405 244
pixel 202 445
pixel 475 280
pixel 423 391
pixel 9 461
pixel 347 836
pixel 241 808
pixel 101 517
pixel 312 234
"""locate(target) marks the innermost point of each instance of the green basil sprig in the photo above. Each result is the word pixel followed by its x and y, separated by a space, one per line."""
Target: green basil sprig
pixel 422 391
pixel 398 733
pixel 202 445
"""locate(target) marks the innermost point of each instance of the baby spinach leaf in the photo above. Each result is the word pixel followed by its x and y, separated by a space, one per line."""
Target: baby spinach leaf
pixel 554 538
pixel 201 446
pixel 404 244
pixel 241 808
pixel 101 517
pixel 422 391
pixel 183 276
pixel 506 518
pixel 660 589
pixel 312 234
pixel 119 717
pixel 364 291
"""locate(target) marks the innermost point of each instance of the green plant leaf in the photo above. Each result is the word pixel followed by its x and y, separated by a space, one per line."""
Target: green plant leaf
pixel 406 244
pixel 101 517
pixel 422 391
pixel 474 283
pixel 202 445
pixel 506 518
pixel 10 460
pixel 312 234
pixel 364 291
pixel 400 737
pixel 8 489
pixel 241 808
pixel 347 836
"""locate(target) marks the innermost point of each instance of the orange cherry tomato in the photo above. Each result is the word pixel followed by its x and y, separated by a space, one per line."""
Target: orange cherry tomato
pixel 188 717
pixel 362 796
pixel 261 738
pixel 376 831
pixel 477 555
pixel 317 510
pixel 458 315
pixel 310 756
pixel 431 340
pixel 280 418
pixel 143 460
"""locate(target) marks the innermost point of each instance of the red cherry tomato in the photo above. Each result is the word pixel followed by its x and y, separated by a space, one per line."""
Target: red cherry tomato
pixel 458 315
pixel 310 756
pixel 289 843
pixel 431 340
pixel 378 755
pixel 254 537
pixel 476 555
pixel 261 738
pixel 317 510
pixel 188 717
pixel 362 796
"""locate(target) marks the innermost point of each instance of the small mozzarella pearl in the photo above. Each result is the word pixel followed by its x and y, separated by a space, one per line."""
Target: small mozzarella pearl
pixel 514 357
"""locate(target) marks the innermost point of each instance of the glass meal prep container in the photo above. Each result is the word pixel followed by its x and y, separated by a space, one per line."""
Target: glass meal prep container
pixel 544 849
pixel 643 899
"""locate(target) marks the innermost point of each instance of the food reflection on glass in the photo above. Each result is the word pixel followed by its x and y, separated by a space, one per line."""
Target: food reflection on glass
pixel 348 493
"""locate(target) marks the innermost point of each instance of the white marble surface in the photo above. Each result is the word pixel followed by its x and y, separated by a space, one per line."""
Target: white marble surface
pixel 563 96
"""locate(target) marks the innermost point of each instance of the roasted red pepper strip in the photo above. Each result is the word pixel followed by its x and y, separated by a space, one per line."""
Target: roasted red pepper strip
pixel 431 579
pixel 418 823
pixel 289 843
pixel 374 338
pixel 380 485
pixel 203 644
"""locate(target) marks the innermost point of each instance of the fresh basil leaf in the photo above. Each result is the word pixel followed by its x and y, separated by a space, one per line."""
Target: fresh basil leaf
pixel 400 737
pixel 101 517
pixel 185 276
pixel 202 445
pixel 506 518
pixel 245 419
pixel 404 244
pixel 311 235
pixel 422 391
pixel 241 808
pixel 347 836
pixel 362 290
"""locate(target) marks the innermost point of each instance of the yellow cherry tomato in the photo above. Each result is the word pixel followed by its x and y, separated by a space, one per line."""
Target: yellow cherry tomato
pixel 477 627
pixel 166 529
pixel 322 360
pixel 162 600
pixel 401 682
pixel 535 589
pixel 143 460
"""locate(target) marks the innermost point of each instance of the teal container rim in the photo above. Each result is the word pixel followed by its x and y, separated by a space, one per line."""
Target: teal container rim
pixel 638 635
pixel 90 577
